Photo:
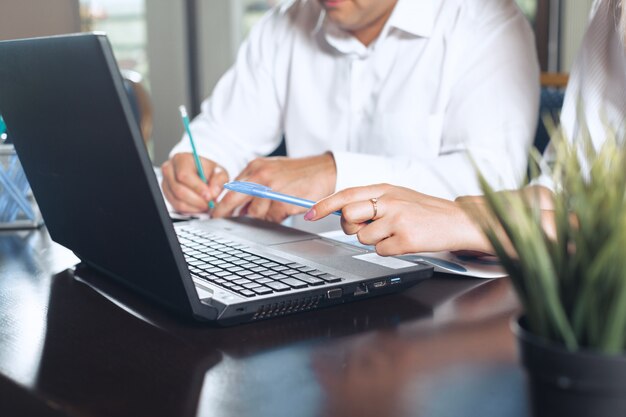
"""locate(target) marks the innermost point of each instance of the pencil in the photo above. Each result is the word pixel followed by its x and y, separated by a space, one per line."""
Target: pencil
pixel 183 114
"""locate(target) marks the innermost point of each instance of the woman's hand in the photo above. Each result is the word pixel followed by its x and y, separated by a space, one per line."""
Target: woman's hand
pixel 401 220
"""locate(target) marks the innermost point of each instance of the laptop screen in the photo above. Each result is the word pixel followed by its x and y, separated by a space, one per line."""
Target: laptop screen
pixel 81 149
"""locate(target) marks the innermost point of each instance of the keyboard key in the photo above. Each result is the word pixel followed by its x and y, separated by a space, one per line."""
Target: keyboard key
pixel 254 277
pixel 251 285
pixel 262 290
pixel 306 269
pixel 267 273
pixel 242 281
pixel 290 271
pixel 316 273
pixel 278 286
pixel 311 280
pixel 231 277
pixel 211 269
pixel 329 278
pixel 247 293
pixel 294 283
pixel 264 280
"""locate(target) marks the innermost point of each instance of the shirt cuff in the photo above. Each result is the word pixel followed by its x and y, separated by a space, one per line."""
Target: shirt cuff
pixel 546 181
pixel 355 170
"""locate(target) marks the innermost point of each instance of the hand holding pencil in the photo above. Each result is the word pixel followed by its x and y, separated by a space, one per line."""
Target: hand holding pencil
pixel 191 183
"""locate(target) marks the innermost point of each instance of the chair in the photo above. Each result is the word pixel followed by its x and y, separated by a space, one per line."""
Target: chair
pixel 551 101
pixel 140 102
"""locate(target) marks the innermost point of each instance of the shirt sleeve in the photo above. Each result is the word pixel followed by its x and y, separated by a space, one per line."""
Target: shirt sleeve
pixel 242 118
pixel 489 120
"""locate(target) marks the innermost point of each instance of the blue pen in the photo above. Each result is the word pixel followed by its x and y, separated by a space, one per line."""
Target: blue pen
pixel 258 190
pixel 183 114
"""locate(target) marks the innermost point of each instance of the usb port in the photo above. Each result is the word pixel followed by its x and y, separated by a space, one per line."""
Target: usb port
pixel 379 284
pixel 395 280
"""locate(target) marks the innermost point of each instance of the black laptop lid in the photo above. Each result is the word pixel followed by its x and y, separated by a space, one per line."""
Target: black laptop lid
pixel 65 108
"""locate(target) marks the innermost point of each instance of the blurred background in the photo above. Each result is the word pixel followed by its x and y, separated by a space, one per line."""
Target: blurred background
pixel 180 48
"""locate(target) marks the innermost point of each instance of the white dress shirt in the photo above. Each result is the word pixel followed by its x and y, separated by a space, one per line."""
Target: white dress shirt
pixel 444 80
pixel 597 83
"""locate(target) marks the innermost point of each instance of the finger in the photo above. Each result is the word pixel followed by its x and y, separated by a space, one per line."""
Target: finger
pixel 375 232
pixel 231 201
pixel 258 207
pixel 280 211
pixel 362 211
pixel 179 205
pixel 342 198
pixel 216 181
pixel 389 247
pixel 186 173
pixel 351 228
pixel 179 194
pixel 356 215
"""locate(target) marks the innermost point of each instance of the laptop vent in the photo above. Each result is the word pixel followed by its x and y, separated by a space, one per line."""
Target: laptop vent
pixel 286 307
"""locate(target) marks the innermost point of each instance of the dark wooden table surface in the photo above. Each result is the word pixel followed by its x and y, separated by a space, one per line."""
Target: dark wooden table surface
pixel 84 346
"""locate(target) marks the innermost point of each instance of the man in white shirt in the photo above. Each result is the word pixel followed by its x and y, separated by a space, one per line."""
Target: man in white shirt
pixel 366 91
pixel 406 221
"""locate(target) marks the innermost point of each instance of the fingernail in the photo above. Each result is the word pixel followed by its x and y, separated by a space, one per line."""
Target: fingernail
pixel 309 215
pixel 207 196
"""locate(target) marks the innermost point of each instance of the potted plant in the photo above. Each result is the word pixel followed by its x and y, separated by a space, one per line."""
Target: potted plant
pixel 568 268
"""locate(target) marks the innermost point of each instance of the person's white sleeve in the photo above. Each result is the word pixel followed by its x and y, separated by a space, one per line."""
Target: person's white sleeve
pixel 489 121
pixel 241 120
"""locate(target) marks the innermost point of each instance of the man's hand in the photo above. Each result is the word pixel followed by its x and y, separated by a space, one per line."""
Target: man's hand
pixel 312 178
pixel 184 188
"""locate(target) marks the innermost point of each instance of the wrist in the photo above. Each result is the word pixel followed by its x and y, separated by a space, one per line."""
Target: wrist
pixel 468 231
pixel 329 167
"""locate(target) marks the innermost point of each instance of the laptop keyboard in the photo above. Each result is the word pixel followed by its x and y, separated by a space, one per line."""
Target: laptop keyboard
pixel 229 265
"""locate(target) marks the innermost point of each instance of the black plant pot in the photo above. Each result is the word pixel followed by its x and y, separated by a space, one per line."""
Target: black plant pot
pixel 571 384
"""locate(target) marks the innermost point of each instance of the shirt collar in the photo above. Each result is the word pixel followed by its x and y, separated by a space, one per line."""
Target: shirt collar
pixel 415 17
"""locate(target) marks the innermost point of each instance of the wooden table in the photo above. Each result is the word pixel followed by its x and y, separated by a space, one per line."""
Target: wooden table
pixel 84 346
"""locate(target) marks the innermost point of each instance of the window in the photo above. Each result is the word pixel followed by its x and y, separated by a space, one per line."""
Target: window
pixel 254 10
pixel 529 7
pixel 124 21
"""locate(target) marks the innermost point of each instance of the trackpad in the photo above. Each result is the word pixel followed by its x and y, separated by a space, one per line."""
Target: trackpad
pixel 316 248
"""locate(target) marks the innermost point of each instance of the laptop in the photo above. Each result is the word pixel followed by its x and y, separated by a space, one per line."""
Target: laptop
pixel 74 131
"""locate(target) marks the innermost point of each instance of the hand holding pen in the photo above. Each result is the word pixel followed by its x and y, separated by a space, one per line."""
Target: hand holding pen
pixel 183 185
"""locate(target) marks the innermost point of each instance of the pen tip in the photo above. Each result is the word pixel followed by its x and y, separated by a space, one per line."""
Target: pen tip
pixel 183 110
